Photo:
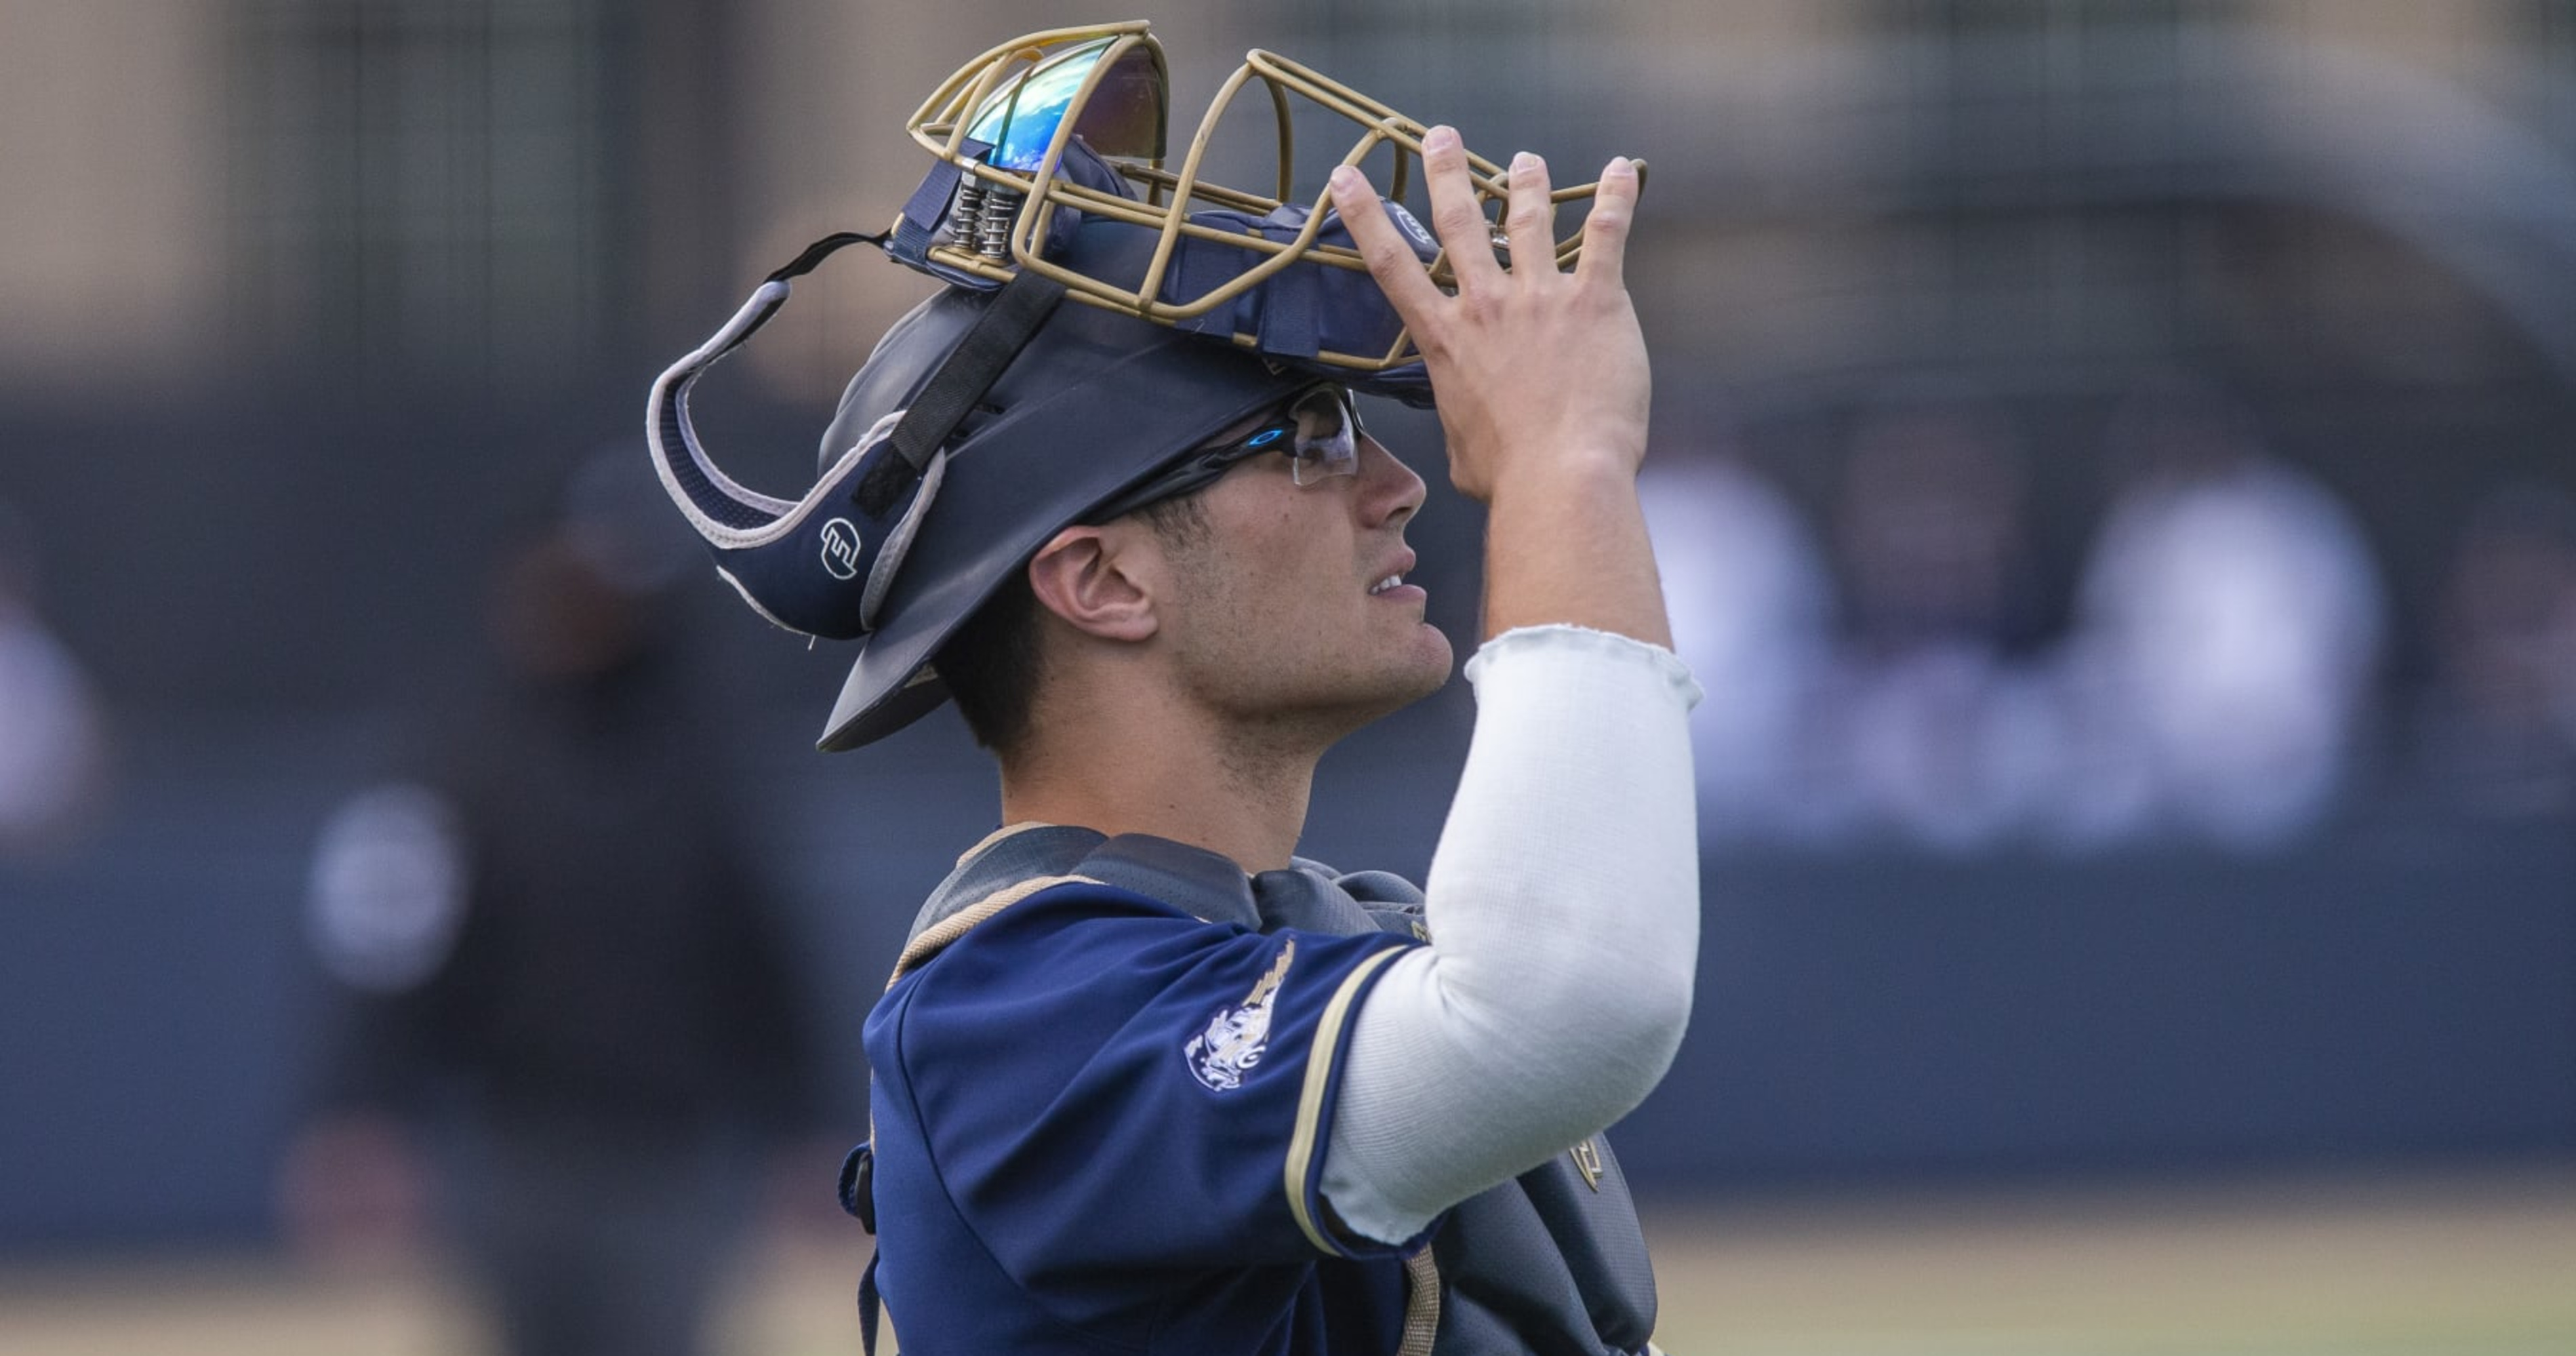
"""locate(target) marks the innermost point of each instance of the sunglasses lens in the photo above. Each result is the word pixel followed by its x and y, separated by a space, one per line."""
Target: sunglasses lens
pixel 1123 117
pixel 1328 436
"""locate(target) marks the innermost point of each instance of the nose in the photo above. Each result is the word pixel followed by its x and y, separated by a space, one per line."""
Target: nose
pixel 1389 491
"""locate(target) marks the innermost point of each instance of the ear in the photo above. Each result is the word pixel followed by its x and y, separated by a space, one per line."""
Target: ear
pixel 1097 580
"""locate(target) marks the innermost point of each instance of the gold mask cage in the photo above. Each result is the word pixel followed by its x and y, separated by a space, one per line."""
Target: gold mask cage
pixel 1001 216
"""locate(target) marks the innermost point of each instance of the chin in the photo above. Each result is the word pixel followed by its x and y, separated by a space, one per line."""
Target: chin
pixel 1423 672
pixel 1438 659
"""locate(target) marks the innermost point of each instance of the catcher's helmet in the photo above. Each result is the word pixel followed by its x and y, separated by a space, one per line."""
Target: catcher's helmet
pixel 990 417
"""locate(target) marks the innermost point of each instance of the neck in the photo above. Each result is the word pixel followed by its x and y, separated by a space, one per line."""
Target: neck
pixel 1235 791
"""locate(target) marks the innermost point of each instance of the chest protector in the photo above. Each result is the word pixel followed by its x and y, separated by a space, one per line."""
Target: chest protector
pixel 1550 1263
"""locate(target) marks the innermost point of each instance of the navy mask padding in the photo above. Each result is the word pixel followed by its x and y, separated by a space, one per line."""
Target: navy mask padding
pixel 928 210
pixel 1302 310
pixel 1307 307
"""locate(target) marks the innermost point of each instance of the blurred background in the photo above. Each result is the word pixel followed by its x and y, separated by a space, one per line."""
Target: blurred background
pixel 2114 479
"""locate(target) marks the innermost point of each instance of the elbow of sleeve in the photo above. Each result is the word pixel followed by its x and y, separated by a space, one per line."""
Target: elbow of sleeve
pixel 1656 1011
pixel 1463 1075
pixel 1612 1042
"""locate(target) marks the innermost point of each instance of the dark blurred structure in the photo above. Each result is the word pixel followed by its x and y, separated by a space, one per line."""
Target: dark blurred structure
pixel 1926 722
pixel 569 982
pixel 53 734
pixel 290 277
pixel 2497 729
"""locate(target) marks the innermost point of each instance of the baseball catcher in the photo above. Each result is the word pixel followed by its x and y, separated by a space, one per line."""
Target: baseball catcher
pixel 1144 1079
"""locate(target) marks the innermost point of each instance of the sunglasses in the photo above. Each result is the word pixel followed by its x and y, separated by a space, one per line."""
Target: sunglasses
pixel 1317 429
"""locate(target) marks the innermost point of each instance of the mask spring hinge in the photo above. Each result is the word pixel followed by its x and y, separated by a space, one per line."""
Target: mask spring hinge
pixel 1001 206
pixel 967 213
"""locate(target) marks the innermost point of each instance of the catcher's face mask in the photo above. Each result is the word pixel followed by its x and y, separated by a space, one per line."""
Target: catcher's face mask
pixel 1027 132
pixel 1050 183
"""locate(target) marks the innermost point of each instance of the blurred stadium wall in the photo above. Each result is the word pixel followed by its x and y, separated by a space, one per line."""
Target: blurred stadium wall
pixel 311 303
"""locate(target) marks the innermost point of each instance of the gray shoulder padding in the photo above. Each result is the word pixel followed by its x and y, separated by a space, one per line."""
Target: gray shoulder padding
pixel 1001 862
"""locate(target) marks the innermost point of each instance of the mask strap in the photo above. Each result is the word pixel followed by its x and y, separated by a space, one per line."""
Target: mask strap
pixel 1007 325
pixel 723 511
pixel 929 203
pixel 823 249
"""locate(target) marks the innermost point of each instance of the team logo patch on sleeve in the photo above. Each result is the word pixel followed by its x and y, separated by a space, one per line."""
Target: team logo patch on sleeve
pixel 1236 1036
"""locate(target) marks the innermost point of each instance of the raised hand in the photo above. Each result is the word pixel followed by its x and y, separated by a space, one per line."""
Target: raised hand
pixel 1537 371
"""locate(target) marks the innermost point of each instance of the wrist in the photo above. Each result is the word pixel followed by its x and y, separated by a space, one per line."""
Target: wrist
pixel 1585 470
pixel 1550 493
pixel 1568 544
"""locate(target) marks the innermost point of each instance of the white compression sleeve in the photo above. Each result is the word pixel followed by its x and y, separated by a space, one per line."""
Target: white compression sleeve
pixel 1564 917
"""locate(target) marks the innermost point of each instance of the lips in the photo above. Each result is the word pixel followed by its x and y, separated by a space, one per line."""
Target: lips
pixel 1394 576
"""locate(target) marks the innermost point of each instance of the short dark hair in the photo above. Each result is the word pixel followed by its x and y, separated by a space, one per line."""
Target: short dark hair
pixel 992 664
pixel 1181 521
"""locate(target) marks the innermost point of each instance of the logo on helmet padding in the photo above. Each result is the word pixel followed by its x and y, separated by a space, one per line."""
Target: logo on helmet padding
pixel 1412 228
pixel 841 548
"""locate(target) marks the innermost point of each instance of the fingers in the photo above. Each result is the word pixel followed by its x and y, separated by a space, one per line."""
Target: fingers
pixel 1605 231
pixel 1458 221
pixel 1456 217
pixel 1390 260
pixel 1530 221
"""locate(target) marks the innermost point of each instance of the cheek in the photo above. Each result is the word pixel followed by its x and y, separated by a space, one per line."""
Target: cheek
pixel 1264 617
pixel 1277 596
pixel 1286 566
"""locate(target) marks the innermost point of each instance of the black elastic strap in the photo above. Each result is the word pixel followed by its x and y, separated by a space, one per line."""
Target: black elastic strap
pixel 996 338
pixel 975 364
pixel 869 1307
pixel 823 249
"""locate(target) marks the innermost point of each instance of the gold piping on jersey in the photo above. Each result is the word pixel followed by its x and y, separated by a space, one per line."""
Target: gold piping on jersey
pixel 1421 1303
pixel 999 834
pixel 956 925
pixel 1310 1099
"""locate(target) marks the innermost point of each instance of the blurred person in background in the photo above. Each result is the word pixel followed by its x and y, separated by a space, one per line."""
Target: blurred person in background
pixel 2498 728
pixel 2227 631
pixel 1750 603
pixel 53 757
pixel 574 1013
pixel 1929 722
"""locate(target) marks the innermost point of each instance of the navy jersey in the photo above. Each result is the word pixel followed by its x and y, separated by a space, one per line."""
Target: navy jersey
pixel 1100 1125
